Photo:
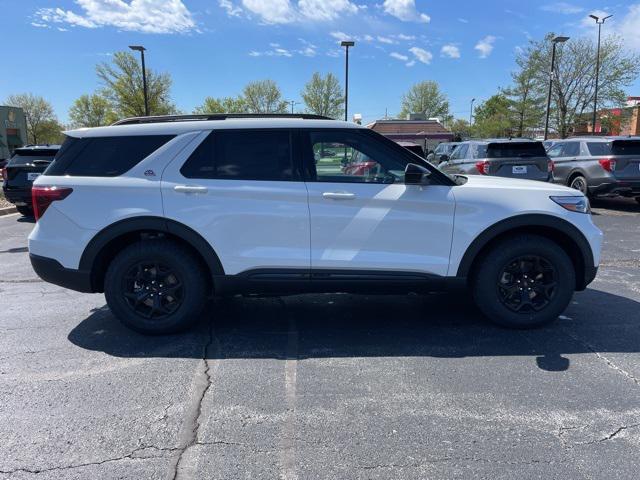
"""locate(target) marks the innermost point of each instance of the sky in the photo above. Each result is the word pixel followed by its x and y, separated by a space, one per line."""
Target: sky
pixel 215 47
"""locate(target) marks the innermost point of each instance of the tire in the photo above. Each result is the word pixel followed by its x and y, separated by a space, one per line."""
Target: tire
pixel 25 211
pixel 156 287
pixel 580 183
pixel 638 199
pixel 522 303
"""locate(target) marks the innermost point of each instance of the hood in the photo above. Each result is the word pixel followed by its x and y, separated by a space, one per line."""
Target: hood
pixel 488 181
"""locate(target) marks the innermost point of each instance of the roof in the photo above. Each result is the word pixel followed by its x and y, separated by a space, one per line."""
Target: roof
pixel 415 127
pixel 605 138
pixel 38 147
pixel 176 128
pixel 486 141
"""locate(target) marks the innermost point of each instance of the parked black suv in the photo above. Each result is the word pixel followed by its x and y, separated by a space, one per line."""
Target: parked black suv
pixel 26 164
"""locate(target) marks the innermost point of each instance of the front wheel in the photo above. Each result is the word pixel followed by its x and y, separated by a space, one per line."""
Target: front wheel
pixel 25 211
pixel 156 287
pixel 524 281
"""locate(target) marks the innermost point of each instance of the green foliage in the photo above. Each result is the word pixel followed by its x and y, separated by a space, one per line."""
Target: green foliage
pixel 123 87
pixel 91 111
pixel 221 105
pixel 460 129
pixel 426 98
pixel 324 96
pixel 41 120
pixel 263 96
pixel 493 118
pixel 527 100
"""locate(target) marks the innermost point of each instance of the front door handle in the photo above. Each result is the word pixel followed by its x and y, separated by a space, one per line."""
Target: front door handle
pixel 190 189
pixel 339 195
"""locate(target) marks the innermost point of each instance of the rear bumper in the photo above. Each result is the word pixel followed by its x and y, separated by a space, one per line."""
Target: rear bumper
pixel 615 188
pixel 52 271
pixel 18 196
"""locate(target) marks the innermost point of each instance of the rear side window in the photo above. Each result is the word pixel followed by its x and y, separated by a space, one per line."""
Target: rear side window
pixel 103 156
pixel 599 148
pixel 514 149
pixel 626 147
pixel 242 155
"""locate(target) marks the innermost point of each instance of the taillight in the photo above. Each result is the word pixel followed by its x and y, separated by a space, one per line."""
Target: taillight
pixel 550 166
pixel 44 196
pixel 608 164
pixel 483 167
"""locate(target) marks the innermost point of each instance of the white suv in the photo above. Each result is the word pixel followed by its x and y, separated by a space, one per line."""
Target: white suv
pixel 161 213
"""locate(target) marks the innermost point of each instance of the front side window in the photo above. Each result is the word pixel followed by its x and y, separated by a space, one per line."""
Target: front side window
pixel 571 149
pixel 352 157
pixel 555 151
pixel 460 151
pixel 242 155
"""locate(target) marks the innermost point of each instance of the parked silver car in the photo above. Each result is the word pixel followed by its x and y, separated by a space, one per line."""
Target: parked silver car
pixel 515 158
pixel 442 152
pixel 599 166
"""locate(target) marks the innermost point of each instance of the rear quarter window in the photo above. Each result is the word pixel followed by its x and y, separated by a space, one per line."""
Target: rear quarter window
pixel 104 156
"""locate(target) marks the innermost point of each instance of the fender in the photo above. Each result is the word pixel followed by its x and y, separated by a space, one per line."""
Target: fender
pixel 523 221
pixel 136 224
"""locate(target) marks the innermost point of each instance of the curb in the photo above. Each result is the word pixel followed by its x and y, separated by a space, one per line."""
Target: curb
pixel 8 211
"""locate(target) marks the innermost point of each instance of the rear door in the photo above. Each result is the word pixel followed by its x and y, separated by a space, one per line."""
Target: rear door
pixel 241 190
pixel 566 157
pixel 369 219
pixel 526 160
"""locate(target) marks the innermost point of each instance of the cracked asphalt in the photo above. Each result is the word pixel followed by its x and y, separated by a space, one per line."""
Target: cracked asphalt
pixel 322 386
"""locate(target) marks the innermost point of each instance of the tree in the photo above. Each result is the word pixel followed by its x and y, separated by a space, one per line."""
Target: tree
pixel 526 99
pixel 574 82
pixel 221 105
pixel 263 96
pixel 425 98
pixel 461 129
pixel 123 87
pixel 91 111
pixel 38 112
pixel 50 132
pixel 324 96
pixel 493 118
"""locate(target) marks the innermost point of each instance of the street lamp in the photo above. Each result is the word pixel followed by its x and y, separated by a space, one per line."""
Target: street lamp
pixel 141 49
pixel 346 44
pixel 555 42
pixel 599 22
pixel 292 103
pixel 471 112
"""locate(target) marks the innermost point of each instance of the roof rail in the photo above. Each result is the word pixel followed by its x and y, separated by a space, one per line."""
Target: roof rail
pixel 215 116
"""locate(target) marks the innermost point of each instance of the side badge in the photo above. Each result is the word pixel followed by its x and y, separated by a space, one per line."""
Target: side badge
pixel 149 173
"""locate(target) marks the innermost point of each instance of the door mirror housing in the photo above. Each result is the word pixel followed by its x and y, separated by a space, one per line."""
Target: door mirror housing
pixel 444 158
pixel 416 175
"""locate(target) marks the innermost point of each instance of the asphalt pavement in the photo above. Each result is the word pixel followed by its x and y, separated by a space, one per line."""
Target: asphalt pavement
pixel 322 386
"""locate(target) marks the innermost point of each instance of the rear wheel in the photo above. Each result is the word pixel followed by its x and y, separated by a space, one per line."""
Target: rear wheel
pixel 525 281
pixel 156 287
pixel 579 183
pixel 26 211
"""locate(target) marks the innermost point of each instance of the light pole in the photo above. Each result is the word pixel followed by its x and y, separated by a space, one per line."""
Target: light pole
pixel 555 41
pixel 471 112
pixel 141 49
pixel 292 103
pixel 599 21
pixel 346 44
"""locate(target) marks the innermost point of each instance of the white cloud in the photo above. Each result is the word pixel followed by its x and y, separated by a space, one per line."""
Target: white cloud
pixel 231 9
pixel 340 36
pixel 411 63
pixel 368 38
pixel 271 11
pixel 562 7
pixel 463 20
pixel 386 40
pixel 405 10
pixel 450 51
pixel 399 56
pixel 421 55
pixel 325 10
pixel 630 27
pixel 276 52
pixel 402 36
pixel 485 46
pixel 148 16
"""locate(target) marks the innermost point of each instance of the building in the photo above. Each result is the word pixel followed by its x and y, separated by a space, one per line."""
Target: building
pixel 13 130
pixel 612 121
pixel 427 133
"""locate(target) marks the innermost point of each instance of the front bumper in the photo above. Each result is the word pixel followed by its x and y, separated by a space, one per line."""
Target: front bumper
pixel 52 271
pixel 18 196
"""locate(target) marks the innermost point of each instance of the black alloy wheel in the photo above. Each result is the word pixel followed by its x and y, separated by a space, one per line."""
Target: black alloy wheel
pixel 153 290
pixel 527 284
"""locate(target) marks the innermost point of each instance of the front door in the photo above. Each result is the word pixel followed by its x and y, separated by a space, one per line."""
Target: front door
pixel 363 216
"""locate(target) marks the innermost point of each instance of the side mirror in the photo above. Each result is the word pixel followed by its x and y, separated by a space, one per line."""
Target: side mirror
pixel 416 175
pixel 444 158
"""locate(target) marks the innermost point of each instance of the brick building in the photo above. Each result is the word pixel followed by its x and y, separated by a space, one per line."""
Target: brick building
pixel 427 133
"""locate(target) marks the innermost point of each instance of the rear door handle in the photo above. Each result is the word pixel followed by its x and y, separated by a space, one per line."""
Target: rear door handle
pixel 339 195
pixel 190 189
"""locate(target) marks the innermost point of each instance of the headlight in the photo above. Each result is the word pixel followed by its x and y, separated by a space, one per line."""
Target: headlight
pixel 573 203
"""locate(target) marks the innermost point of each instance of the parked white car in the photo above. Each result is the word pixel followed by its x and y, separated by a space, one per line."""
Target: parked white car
pixel 161 213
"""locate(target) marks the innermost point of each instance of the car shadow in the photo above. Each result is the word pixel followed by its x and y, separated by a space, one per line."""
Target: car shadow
pixel 24 219
pixel 443 326
pixel 617 204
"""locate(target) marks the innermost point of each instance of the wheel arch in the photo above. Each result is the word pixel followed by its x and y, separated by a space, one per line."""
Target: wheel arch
pixel 109 241
pixel 567 236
